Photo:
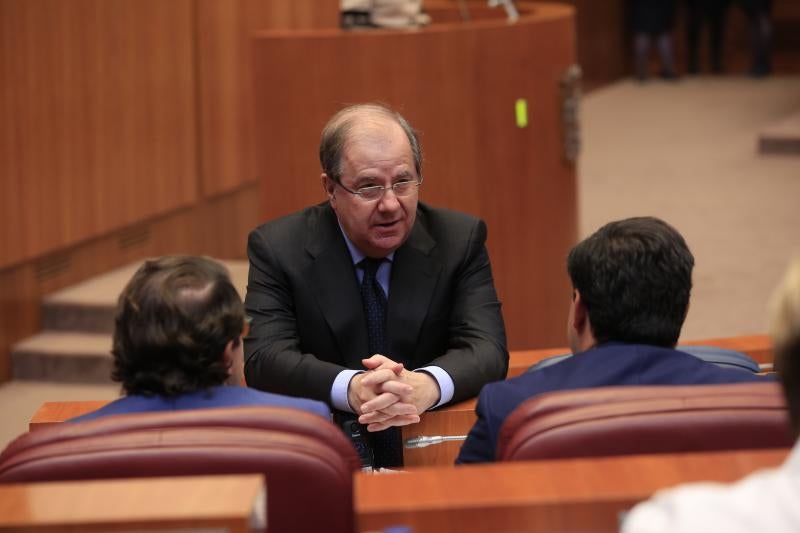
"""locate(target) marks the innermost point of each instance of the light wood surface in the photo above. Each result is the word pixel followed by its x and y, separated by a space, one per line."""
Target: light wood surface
pixel 758 347
pixel 456 419
pixel 173 503
pixel 564 495
pixel 457 83
pixel 56 412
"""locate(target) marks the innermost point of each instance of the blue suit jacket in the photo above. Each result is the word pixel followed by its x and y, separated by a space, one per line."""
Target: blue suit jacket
pixel 221 396
pixel 607 365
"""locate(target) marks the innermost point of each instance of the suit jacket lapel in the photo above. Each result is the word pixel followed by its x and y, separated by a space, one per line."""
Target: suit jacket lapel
pixel 415 273
pixel 335 285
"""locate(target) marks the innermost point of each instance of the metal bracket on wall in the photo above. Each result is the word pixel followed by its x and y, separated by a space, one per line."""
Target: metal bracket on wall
pixel 570 108
pixel 135 236
pixel 52 265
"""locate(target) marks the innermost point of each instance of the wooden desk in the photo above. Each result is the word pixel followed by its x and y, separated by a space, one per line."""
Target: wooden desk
pixel 221 503
pixel 759 347
pixel 455 419
pixel 56 412
pixel 559 495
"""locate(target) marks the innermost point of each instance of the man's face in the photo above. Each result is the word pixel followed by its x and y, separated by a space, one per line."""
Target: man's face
pixel 376 153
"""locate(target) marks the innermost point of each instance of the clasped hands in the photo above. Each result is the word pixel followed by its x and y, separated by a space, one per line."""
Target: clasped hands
pixel 388 395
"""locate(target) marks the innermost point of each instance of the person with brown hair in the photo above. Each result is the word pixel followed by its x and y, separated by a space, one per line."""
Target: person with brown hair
pixel 178 340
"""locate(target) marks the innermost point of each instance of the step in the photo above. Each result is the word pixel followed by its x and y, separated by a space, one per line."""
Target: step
pixel 65 357
pixel 781 138
pixel 89 306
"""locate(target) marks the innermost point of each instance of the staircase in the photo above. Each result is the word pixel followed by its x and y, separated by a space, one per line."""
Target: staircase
pixel 75 344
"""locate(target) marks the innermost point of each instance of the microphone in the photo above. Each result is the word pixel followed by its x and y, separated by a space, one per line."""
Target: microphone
pixel 422 441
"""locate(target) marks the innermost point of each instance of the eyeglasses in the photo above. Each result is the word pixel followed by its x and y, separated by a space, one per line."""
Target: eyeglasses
pixel 373 193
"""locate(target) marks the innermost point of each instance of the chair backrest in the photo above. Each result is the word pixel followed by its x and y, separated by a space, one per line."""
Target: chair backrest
pixel 644 420
pixel 308 462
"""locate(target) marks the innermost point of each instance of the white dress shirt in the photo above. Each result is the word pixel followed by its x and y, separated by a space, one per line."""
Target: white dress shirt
pixel 766 501
pixel 342 381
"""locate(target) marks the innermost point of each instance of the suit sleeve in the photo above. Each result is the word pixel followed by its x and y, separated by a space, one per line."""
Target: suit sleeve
pixel 476 352
pixel 274 361
pixel 481 443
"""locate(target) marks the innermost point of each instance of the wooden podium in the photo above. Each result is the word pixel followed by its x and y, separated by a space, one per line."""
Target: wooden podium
pixel 487 98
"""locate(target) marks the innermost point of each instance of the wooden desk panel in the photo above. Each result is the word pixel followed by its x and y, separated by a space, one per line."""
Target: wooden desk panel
pixel 759 347
pixel 55 412
pixel 171 503
pixel 455 419
pixel 559 495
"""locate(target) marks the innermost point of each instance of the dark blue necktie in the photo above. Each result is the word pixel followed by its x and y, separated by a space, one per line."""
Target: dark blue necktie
pixel 387 445
pixel 374 301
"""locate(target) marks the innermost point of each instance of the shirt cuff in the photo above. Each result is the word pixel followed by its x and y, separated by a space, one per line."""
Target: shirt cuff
pixel 339 390
pixel 446 386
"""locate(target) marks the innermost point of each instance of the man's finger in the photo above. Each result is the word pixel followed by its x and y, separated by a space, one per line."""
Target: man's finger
pixel 374 378
pixel 396 409
pixel 379 362
pixel 379 402
pixel 374 417
pixel 397 387
pixel 396 421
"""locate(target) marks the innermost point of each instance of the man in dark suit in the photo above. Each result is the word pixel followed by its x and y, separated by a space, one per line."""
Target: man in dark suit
pixel 378 304
pixel 631 284
pixel 178 340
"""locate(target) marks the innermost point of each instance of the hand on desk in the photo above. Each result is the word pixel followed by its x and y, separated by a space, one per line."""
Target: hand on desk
pixel 389 395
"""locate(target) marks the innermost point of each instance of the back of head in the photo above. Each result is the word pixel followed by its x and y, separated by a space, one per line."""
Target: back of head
pixel 634 277
pixel 174 320
pixel 786 337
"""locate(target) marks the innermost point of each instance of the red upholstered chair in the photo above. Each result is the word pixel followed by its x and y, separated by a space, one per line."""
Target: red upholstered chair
pixel 308 462
pixel 646 420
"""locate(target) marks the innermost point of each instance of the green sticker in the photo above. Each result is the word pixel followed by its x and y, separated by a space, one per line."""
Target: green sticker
pixel 521 109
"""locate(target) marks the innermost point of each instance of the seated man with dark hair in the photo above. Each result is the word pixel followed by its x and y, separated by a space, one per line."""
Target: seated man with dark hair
pixel 631 283
pixel 178 340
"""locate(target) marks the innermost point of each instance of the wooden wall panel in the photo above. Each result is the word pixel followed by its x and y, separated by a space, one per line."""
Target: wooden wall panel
pixel 225 82
pixel 124 119
pixel 100 123
pixel 457 84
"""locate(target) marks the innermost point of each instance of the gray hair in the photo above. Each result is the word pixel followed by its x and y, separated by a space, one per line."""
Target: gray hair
pixel 337 131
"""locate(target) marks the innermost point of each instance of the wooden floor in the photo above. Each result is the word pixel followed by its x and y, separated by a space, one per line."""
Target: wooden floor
pixel 687 152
